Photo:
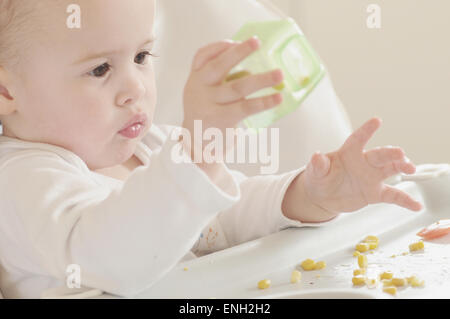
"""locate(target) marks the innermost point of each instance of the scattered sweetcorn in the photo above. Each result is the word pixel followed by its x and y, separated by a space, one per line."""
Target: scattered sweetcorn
pixel 414 281
pixel 359 280
pixel 390 290
pixel 387 282
pixel 360 271
pixel 416 246
pixel 362 247
pixel 398 282
pixel 296 276
pixel 320 265
pixel 386 275
pixel 308 264
pixel 263 284
pixel 362 261
pixel 371 239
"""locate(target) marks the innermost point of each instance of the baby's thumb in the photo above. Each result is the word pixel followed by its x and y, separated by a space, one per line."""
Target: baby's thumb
pixel 320 164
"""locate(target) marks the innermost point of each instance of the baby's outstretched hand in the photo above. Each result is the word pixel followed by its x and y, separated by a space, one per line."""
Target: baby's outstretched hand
pixel 351 178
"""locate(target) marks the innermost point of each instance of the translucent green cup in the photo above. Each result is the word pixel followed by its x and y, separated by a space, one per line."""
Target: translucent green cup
pixel 283 46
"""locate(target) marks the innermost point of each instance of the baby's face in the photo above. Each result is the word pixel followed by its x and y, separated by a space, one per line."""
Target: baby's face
pixel 79 87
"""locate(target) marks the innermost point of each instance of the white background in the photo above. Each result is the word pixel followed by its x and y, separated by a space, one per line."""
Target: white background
pixel 400 72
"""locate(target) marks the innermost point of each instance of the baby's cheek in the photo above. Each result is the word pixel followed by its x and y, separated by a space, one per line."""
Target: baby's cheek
pixel 151 100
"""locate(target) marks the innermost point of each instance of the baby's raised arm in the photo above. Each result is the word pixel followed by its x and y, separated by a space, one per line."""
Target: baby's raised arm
pixel 220 104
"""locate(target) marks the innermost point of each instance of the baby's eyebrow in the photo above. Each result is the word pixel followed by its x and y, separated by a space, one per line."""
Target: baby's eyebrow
pixel 106 53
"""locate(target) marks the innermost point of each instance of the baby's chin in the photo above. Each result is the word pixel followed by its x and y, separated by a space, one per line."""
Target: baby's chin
pixel 112 157
pixel 126 151
pixel 118 152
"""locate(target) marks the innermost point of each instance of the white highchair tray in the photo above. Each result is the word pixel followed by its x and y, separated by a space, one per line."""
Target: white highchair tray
pixel 235 272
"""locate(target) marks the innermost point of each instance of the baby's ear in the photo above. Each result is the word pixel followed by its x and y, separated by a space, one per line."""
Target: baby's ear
pixel 7 103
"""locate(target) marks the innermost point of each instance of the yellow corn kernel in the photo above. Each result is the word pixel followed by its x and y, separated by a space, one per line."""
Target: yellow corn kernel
pixel 386 275
pixel 360 271
pixel 296 276
pixel 185 268
pixel 373 245
pixel 371 239
pixel 398 282
pixel 362 261
pixel 359 280
pixel 356 253
pixel 279 87
pixel 416 246
pixel 362 247
pixel 387 282
pixel 320 265
pixel 237 75
pixel 308 264
pixel 415 282
pixel 390 290
pixel 263 284
pixel 371 282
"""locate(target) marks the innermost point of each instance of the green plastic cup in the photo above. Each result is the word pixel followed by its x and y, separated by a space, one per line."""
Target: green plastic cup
pixel 283 46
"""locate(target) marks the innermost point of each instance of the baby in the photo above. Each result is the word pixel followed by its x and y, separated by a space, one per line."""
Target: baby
pixel 87 178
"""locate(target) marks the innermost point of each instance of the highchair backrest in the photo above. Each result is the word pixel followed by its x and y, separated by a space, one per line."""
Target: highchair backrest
pixel 182 27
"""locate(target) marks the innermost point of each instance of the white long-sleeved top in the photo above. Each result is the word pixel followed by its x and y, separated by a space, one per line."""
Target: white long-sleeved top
pixel 124 236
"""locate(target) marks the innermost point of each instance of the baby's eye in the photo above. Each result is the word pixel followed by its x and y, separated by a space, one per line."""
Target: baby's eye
pixel 100 71
pixel 141 57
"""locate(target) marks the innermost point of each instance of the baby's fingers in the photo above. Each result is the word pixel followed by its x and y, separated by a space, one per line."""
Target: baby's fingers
pixel 247 107
pixel 380 157
pixel 396 167
pixel 359 138
pixel 209 52
pixel 395 196
pixel 216 70
pixel 238 89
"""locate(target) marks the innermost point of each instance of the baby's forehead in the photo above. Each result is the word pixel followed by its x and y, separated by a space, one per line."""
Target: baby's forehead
pixel 82 26
pixel 42 15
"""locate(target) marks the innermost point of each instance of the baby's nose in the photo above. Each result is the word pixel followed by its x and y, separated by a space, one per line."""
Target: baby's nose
pixel 131 93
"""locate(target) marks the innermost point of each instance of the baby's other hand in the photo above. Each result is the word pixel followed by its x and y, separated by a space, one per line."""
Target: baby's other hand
pixel 351 178
pixel 222 104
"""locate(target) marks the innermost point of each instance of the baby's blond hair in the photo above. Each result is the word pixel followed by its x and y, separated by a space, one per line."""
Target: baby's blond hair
pixel 15 28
